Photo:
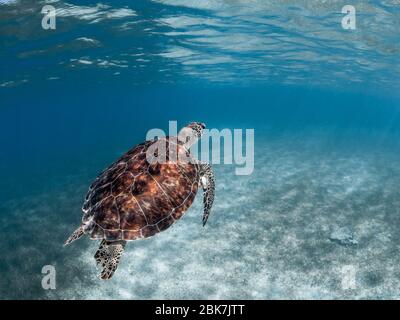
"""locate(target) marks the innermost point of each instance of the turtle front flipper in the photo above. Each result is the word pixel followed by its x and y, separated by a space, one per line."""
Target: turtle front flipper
pixel 208 184
pixel 108 257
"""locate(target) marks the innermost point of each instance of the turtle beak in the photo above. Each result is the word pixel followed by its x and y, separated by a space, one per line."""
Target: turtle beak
pixel 202 125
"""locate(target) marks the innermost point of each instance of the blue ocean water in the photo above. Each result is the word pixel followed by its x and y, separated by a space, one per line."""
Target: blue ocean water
pixel 324 104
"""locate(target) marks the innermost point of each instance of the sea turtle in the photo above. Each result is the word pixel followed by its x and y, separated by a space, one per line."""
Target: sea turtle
pixel 136 197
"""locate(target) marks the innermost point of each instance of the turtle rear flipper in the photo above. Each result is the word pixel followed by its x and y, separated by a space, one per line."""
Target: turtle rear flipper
pixel 108 257
pixel 75 235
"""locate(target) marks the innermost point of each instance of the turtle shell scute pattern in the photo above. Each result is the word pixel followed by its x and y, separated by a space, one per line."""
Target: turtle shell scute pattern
pixel 133 199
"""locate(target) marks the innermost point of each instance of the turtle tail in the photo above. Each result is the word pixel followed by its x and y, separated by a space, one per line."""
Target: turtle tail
pixel 75 235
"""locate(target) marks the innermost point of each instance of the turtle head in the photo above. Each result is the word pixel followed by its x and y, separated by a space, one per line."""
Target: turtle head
pixel 196 128
pixel 191 133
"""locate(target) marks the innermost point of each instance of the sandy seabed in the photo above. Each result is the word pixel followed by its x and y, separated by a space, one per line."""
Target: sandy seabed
pixel 271 235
